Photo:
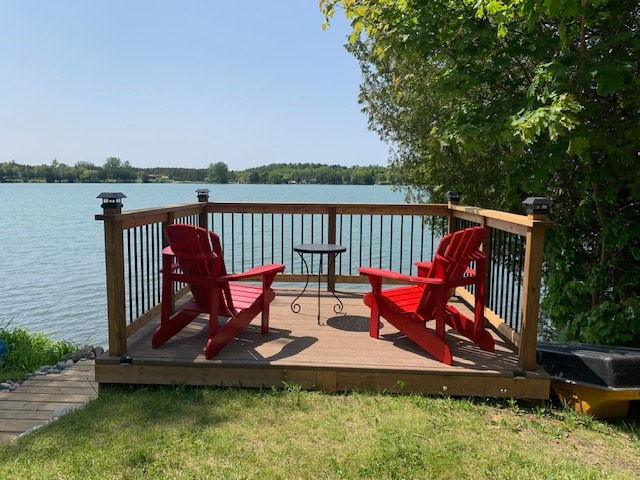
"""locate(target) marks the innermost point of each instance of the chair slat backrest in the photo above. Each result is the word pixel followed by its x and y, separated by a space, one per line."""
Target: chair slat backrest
pixel 453 256
pixel 199 254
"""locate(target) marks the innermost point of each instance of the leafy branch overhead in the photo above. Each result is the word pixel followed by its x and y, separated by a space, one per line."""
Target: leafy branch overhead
pixel 504 99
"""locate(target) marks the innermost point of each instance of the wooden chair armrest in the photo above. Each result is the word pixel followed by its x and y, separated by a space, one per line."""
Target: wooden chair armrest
pixel 423 268
pixel 379 272
pixel 423 264
pixel 252 273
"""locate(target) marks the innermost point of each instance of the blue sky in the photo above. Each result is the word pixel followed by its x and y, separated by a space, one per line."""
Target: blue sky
pixel 179 83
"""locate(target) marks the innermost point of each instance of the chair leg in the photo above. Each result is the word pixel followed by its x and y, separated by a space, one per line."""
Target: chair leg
pixel 374 325
pixel 264 323
pixel 169 327
pixel 425 339
pixel 371 302
pixel 374 317
pixel 234 325
pixel 469 329
pixel 228 332
pixel 441 311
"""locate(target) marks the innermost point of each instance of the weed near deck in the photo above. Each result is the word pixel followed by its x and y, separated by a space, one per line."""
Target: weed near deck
pixel 227 433
pixel 28 351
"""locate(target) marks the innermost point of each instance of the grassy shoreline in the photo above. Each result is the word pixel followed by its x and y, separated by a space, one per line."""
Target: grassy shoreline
pixel 29 351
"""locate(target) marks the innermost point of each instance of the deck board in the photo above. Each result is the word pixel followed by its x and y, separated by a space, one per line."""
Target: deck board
pixel 336 355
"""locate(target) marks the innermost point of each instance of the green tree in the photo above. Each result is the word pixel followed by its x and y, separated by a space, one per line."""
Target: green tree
pixel 10 172
pixel 86 175
pixel 87 165
pixel 218 173
pixel 362 176
pixel 116 170
pixel 142 176
pixel 40 172
pixel 503 99
pixel 275 178
pixel 254 176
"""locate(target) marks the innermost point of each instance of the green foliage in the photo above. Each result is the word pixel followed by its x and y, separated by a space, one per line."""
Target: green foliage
pixel 501 100
pixel 218 173
pixel 116 170
pixel 276 173
pixel 178 174
pixel 29 351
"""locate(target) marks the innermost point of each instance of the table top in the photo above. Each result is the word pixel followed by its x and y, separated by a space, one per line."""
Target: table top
pixel 320 248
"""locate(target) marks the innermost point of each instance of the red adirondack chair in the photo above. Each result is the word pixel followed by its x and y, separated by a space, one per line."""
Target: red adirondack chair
pixel 409 308
pixel 200 264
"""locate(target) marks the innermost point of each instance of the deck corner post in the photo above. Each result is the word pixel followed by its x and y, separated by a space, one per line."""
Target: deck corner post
pixel 165 243
pixel 203 197
pixel 453 198
pixel 537 211
pixel 114 263
pixel 486 249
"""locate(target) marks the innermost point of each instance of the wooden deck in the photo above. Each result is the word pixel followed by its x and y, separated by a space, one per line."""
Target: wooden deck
pixel 338 355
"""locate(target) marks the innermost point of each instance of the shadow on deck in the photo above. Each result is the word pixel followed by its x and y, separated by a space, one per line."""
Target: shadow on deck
pixel 338 355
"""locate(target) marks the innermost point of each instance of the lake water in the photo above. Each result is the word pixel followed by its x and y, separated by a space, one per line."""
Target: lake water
pixel 52 274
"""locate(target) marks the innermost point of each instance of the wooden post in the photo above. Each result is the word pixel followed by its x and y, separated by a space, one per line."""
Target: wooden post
pixel 486 249
pixel 165 243
pixel 114 263
pixel 537 210
pixel 453 198
pixel 331 238
pixel 203 197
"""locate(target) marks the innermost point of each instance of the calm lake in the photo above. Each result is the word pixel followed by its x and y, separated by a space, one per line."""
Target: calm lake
pixel 52 274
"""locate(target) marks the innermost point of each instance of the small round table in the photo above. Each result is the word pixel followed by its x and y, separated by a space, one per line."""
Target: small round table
pixel 331 250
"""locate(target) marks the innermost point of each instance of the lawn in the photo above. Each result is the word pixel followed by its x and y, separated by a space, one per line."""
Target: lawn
pixel 222 433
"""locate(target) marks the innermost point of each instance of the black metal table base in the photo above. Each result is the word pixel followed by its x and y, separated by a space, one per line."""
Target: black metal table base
pixel 332 251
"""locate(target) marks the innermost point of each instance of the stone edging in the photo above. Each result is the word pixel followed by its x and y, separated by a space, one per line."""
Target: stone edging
pixel 87 353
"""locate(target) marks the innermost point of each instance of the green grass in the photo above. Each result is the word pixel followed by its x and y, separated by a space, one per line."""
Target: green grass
pixel 29 351
pixel 200 433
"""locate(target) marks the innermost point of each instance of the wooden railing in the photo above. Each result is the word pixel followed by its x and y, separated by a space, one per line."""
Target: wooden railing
pixel 385 236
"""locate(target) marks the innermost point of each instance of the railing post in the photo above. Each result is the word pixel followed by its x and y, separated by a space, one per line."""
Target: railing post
pixel 114 263
pixel 537 210
pixel 453 198
pixel 331 238
pixel 203 197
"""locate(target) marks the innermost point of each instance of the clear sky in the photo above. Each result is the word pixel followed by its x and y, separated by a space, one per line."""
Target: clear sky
pixel 179 83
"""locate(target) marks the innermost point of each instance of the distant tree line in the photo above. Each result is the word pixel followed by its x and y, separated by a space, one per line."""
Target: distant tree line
pixel 113 170
pixel 117 171
pixel 276 173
